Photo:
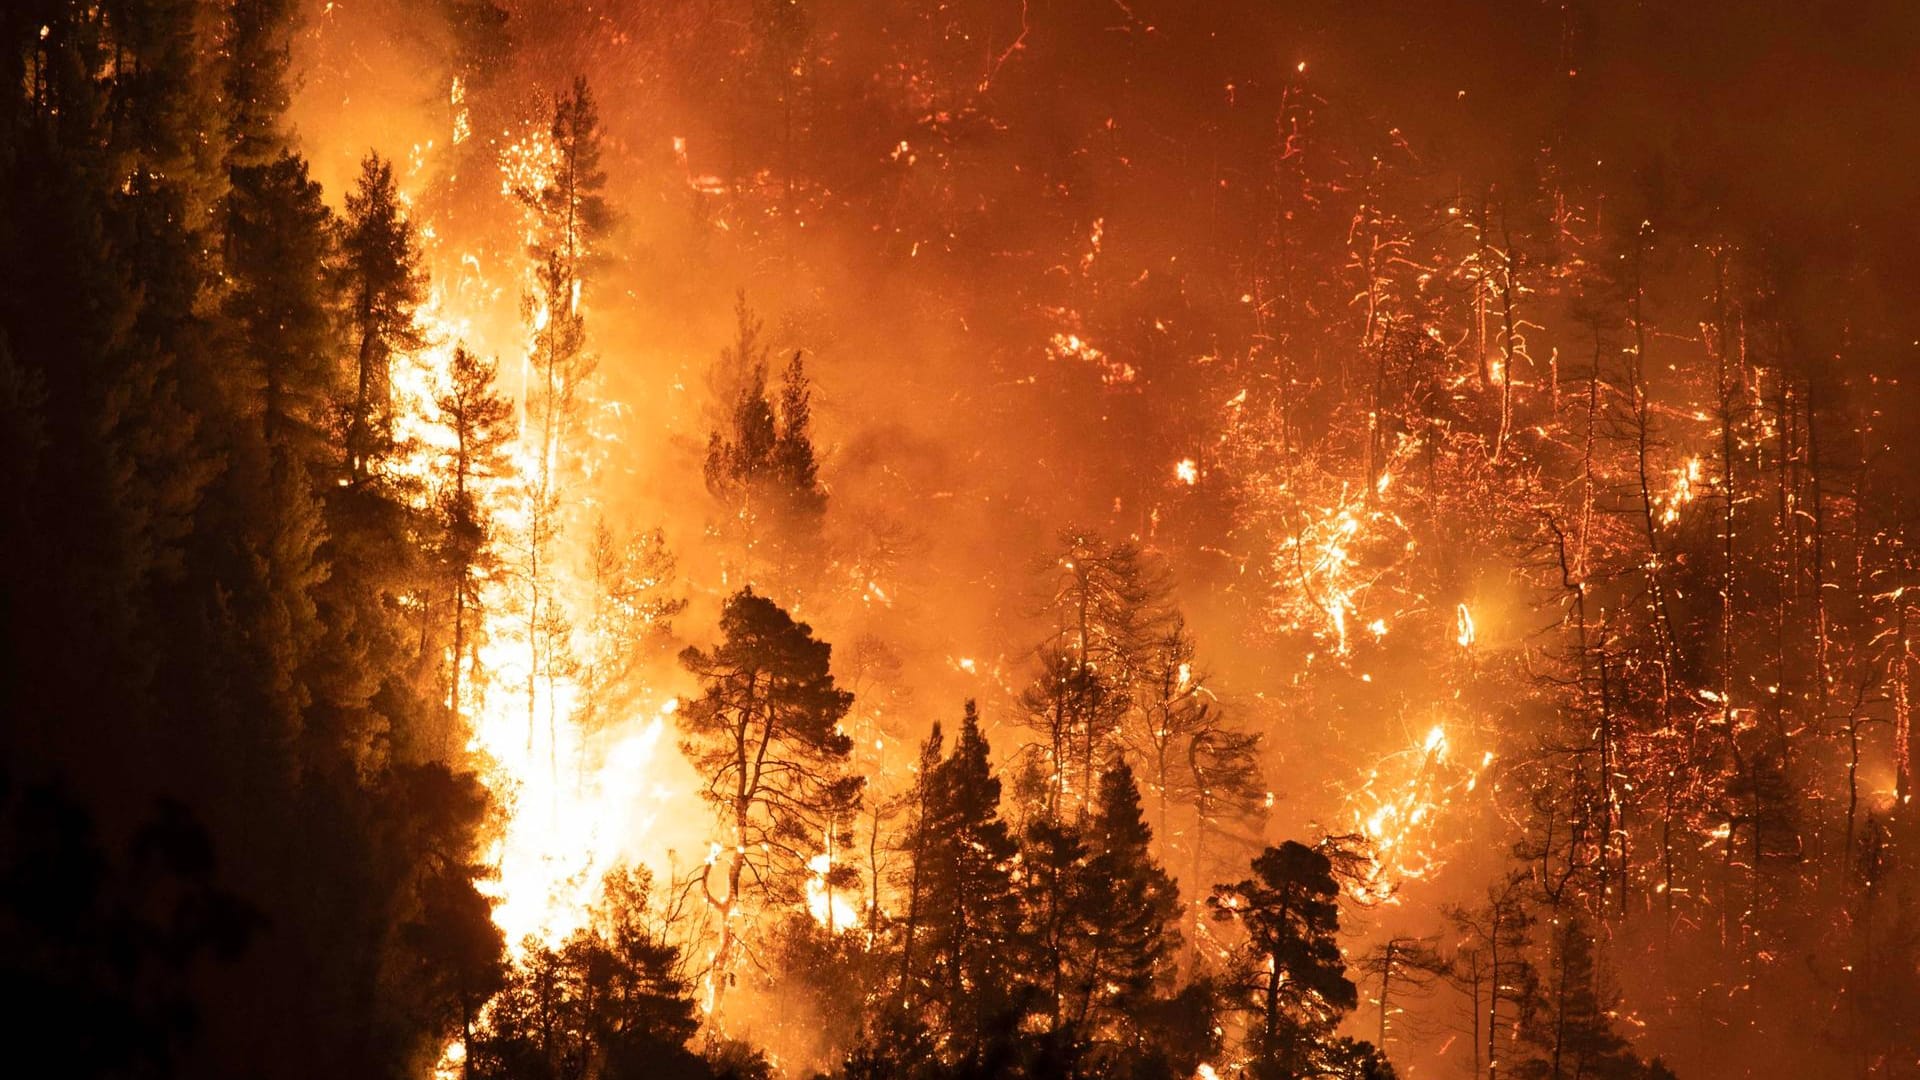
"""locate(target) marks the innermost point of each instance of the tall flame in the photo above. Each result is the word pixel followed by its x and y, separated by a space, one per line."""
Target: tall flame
pixel 573 805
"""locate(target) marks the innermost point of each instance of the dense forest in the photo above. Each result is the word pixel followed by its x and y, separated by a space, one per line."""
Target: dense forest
pixel 985 538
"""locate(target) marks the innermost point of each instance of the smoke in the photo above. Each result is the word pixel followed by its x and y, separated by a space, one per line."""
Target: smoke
pixel 979 382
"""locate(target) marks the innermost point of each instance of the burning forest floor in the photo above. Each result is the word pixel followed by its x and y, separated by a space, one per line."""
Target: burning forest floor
pixel 752 538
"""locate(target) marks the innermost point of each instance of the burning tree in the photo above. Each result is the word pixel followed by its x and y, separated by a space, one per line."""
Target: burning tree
pixel 479 419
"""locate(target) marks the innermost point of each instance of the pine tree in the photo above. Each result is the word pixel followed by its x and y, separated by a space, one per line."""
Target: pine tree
pixel 969 917
pixel 480 420
pixel 764 734
pixel 375 686
pixel 1203 773
pixel 221 648
pixel 572 216
pixel 280 246
pixel 1569 1033
pixel 1101 926
pixel 1404 968
pixel 1108 600
pixel 1497 937
pixel 631 618
pixel 258 51
pixel 1078 710
pixel 1171 705
pixel 761 464
pixel 1131 912
pixel 383 286
pixel 793 464
pixel 1295 981
pixel 1109 604
pixel 916 842
pixel 448 957
pixel 609 1002
pixel 573 202
pixel 1055 890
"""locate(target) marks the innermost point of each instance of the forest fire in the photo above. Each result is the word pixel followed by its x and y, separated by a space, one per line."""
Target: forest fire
pixel 761 538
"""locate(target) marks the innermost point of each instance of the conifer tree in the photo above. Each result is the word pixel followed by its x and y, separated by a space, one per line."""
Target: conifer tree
pixel 761 464
pixel 1495 956
pixel 1202 772
pixel 608 1002
pixel 1108 603
pixel 1404 968
pixel 764 736
pixel 258 54
pixel 1569 1032
pixel 383 286
pixel 572 213
pixel 922 807
pixel 969 913
pixel 280 246
pixel 480 421
pixel 630 620
pixel 1130 912
pixel 1295 980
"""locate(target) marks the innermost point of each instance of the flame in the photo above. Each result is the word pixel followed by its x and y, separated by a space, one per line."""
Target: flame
pixel 1463 626
pixel 1686 482
pixel 1071 346
pixel 462 120
pixel 828 906
pixel 572 804
pixel 1396 810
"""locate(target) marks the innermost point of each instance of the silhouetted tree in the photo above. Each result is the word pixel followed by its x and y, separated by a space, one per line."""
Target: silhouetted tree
pixel 383 285
pixel 761 464
pixel 764 736
pixel 968 936
pixel 1569 1032
pixel 607 1003
pixel 480 420
pixel 1294 978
